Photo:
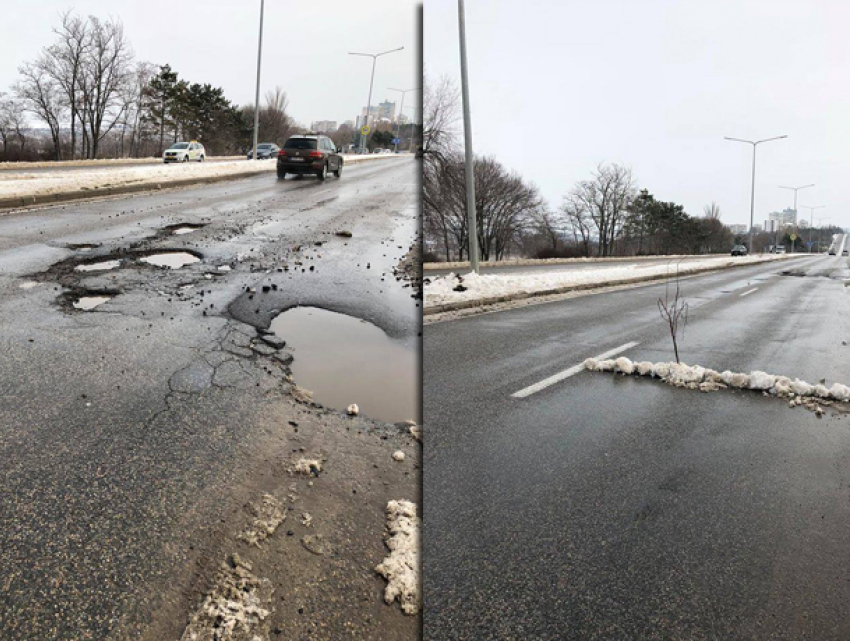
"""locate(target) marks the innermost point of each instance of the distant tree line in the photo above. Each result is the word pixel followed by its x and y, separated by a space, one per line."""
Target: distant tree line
pixel 96 101
pixel 604 215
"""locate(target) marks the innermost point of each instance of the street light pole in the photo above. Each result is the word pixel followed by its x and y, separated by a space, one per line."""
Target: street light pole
pixel 472 225
pixel 403 93
pixel 820 230
pixel 257 94
pixel 754 143
pixel 374 57
pixel 812 222
pixel 795 190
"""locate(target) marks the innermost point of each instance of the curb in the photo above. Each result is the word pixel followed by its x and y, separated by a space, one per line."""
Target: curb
pixel 494 300
pixel 22 202
pixel 541 262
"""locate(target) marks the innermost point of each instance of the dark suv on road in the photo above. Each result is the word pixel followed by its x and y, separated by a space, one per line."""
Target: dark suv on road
pixel 309 154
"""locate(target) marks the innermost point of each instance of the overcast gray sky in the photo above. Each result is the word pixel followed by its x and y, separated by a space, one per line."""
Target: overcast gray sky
pixel 305 45
pixel 557 87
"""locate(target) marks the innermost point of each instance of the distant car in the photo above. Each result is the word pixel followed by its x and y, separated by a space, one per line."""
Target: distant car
pixel 184 152
pixel 377 150
pixel 264 150
pixel 845 252
pixel 387 151
pixel 832 252
pixel 739 250
pixel 309 154
pixel 780 249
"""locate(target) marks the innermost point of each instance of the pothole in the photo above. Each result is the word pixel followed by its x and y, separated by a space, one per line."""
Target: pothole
pixel 171 260
pixel 182 228
pixel 103 265
pixel 345 360
pixel 82 247
pixel 87 303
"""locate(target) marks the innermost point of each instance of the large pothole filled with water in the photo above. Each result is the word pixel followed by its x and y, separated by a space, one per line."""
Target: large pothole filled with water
pixel 345 360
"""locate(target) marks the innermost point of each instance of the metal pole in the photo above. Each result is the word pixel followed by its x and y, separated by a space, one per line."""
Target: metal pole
pixel 257 94
pixel 467 137
pixel 363 139
pixel 752 199
pixel 398 133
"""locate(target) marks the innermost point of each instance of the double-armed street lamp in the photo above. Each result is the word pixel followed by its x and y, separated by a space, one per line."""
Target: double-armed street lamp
pixel 754 143
pixel 374 57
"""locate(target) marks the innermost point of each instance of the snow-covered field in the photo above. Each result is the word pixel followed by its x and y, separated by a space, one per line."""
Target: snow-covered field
pixel 441 290
pixel 28 185
pixel 534 262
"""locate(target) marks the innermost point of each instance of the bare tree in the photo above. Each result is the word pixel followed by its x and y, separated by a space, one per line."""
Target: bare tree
pixel 41 96
pixel 440 104
pixel 673 311
pixel 605 199
pixel 578 221
pixel 12 124
pixel 105 72
pixel 64 62
pixel 712 211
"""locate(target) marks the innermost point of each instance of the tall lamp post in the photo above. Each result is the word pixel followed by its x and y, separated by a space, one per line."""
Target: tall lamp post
pixel 257 94
pixel 403 93
pixel 754 143
pixel 795 190
pixel 812 221
pixel 374 57
pixel 472 225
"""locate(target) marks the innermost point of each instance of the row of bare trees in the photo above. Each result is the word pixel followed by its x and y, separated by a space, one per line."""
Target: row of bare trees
pixel 604 215
pixel 92 99
pixel 506 205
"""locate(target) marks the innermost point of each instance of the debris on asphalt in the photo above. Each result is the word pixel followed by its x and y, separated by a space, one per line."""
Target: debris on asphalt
pixel 310 466
pixel 398 455
pixel 267 516
pixel 237 608
pixel 401 567
pixel 344 233
pixel 353 410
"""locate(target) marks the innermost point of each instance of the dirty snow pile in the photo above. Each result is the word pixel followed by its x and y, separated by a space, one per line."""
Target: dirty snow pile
pixel 454 288
pixel 266 517
pixel 22 184
pixel 705 379
pixel 401 567
pixel 237 608
pixel 15 184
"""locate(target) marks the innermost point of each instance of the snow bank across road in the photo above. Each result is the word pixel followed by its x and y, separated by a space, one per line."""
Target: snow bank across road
pixel 454 291
pixel 20 189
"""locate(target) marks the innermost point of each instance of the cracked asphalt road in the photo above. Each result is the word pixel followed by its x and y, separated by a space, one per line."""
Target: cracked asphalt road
pixel 132 434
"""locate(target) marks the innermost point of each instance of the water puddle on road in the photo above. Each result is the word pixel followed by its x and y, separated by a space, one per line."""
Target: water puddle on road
pixel 184 230
pixel 345 360
pixel 86 303
pixel 98 267
pixel 172 260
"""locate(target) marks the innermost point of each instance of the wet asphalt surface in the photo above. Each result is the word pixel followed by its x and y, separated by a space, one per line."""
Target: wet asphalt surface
pixel 126 429
pixel 611 507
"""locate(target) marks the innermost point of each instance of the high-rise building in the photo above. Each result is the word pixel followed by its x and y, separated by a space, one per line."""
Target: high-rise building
pixel 324 126
pixel 784 218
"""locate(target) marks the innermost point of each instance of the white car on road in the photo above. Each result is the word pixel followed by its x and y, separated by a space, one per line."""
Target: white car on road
pixel 184 152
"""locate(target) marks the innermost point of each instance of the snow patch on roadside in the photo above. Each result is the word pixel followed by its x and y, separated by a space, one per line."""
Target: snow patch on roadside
pixel 401 567
pixel 237 608
pixel 454 288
